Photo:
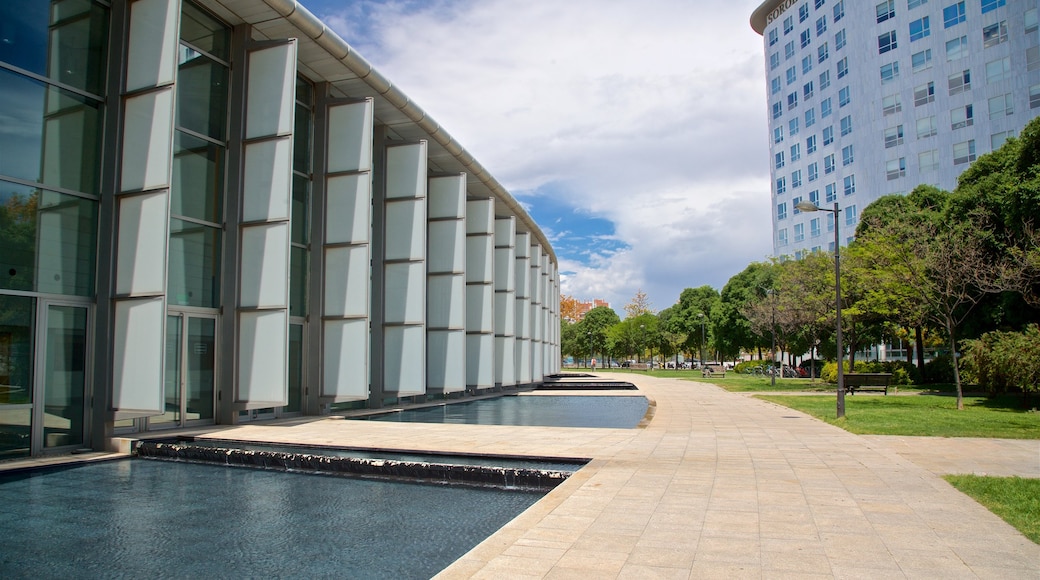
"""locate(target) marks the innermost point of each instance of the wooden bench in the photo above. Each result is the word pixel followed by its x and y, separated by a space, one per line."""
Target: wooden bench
pixel 867 382
pixel 712 372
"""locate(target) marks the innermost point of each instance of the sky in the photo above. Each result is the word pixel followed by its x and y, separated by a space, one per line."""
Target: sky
pixel 634 132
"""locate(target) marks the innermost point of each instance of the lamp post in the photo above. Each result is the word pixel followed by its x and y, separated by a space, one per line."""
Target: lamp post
pixel 810 206
pixel 701 316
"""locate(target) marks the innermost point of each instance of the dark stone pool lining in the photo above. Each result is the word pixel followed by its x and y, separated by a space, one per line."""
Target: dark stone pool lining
pixel 312 462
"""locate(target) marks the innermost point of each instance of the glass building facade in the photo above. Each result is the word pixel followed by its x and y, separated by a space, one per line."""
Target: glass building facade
pixel 885 96
pixel 208 218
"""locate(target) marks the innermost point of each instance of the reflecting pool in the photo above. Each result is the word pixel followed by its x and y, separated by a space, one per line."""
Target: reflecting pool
pixel 529 410
pixel 139 518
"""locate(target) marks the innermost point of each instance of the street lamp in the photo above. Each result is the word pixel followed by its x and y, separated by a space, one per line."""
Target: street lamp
pixel 589 334
pixel 701 316
pixel 810 206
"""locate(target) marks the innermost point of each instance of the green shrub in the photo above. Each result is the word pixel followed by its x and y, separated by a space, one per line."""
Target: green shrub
pixel 746 366
pixel 938 370
pixel 1004 361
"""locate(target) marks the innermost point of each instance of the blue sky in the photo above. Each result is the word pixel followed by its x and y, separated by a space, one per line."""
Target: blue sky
pixel 633 131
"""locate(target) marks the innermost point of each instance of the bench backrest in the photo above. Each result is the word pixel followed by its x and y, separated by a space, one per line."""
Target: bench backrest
pixel 868 379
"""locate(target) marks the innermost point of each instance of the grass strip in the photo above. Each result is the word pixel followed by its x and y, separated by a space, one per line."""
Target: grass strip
pixel 921 415
pixel 1015 499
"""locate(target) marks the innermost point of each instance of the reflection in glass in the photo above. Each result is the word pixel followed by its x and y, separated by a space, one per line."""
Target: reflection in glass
pixel 202 86
pixel 302 140
pixel 201 367
pixel 204 32
pixel 198 179
pixel 16 373
pixel 64 41
pixel 298 258
pixel 295 369
pixel 193 277
pixel 65 377
pixel 172 375
pixel 48 241
pixel 49 136
pixel 300 209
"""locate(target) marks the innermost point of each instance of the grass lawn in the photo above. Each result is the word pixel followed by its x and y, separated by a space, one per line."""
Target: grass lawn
pixel 1015 499
pixel 923 415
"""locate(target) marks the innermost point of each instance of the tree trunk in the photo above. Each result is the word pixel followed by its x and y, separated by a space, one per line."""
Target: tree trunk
pixel 919 339
pixel 956 370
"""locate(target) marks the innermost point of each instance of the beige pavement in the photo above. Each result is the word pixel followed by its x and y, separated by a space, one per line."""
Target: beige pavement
pixel 724 485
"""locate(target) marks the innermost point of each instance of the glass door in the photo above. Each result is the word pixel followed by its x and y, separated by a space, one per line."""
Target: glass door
pixel 61 420
pixel 17 346
pixel 191 365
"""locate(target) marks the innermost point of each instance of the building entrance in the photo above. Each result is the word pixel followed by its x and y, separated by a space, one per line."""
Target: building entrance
pixel 190 378
pixel 43 375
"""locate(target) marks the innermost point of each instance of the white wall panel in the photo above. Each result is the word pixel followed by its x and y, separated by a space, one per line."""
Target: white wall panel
pixel 265 266
pixel 446 302
pixel 404 363
pixel 523 361
pixel 271 90
pixel 447 195
pixel 267 181
pixel 348 209
pixel 152 43
pixel 350 137
pixel 138 357
pixel 406 230
pixel 480 216
pixel 406 170
pixel 480 361
pixel 446 368
pixel 148 139
pixel 479 308
pixel 263 358
pixel 345 360
pixel 505 314
pixel 447 246
pixel 141 246
pixel 405 293
pixel 480 259
pixel 346 281
pixel 505 232
pixel 505 360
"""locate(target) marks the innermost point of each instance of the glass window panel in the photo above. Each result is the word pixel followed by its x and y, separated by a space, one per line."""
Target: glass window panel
pixel 298 258
pixel 296 369
pixel 198 179
pixel 48 241
pixel 200 383
pixel 193 277
pixel 48 135
pixel 64 41
pixel 65 376
pixel 302 140
pixel 202 87
pixel 17 330
pixel 205 32
pixel 171 374
pixel 300 210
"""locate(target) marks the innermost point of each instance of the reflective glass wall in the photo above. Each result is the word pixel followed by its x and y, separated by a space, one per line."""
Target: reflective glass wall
pixel 52 86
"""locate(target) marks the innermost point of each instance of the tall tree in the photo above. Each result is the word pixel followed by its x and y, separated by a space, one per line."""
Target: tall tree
pixel 639 305
pixel 570 308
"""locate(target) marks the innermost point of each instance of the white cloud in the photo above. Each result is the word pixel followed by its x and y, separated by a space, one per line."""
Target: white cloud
pixel 649 114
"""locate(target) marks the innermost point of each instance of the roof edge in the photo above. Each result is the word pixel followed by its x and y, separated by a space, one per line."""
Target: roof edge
pixel 309 24
pixel 767 12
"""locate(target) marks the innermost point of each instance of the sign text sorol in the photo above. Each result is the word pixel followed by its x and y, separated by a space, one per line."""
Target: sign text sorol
pixel 780 8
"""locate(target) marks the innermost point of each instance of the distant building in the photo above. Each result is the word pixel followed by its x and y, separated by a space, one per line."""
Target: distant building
pixel 584 307
pixel 873 98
